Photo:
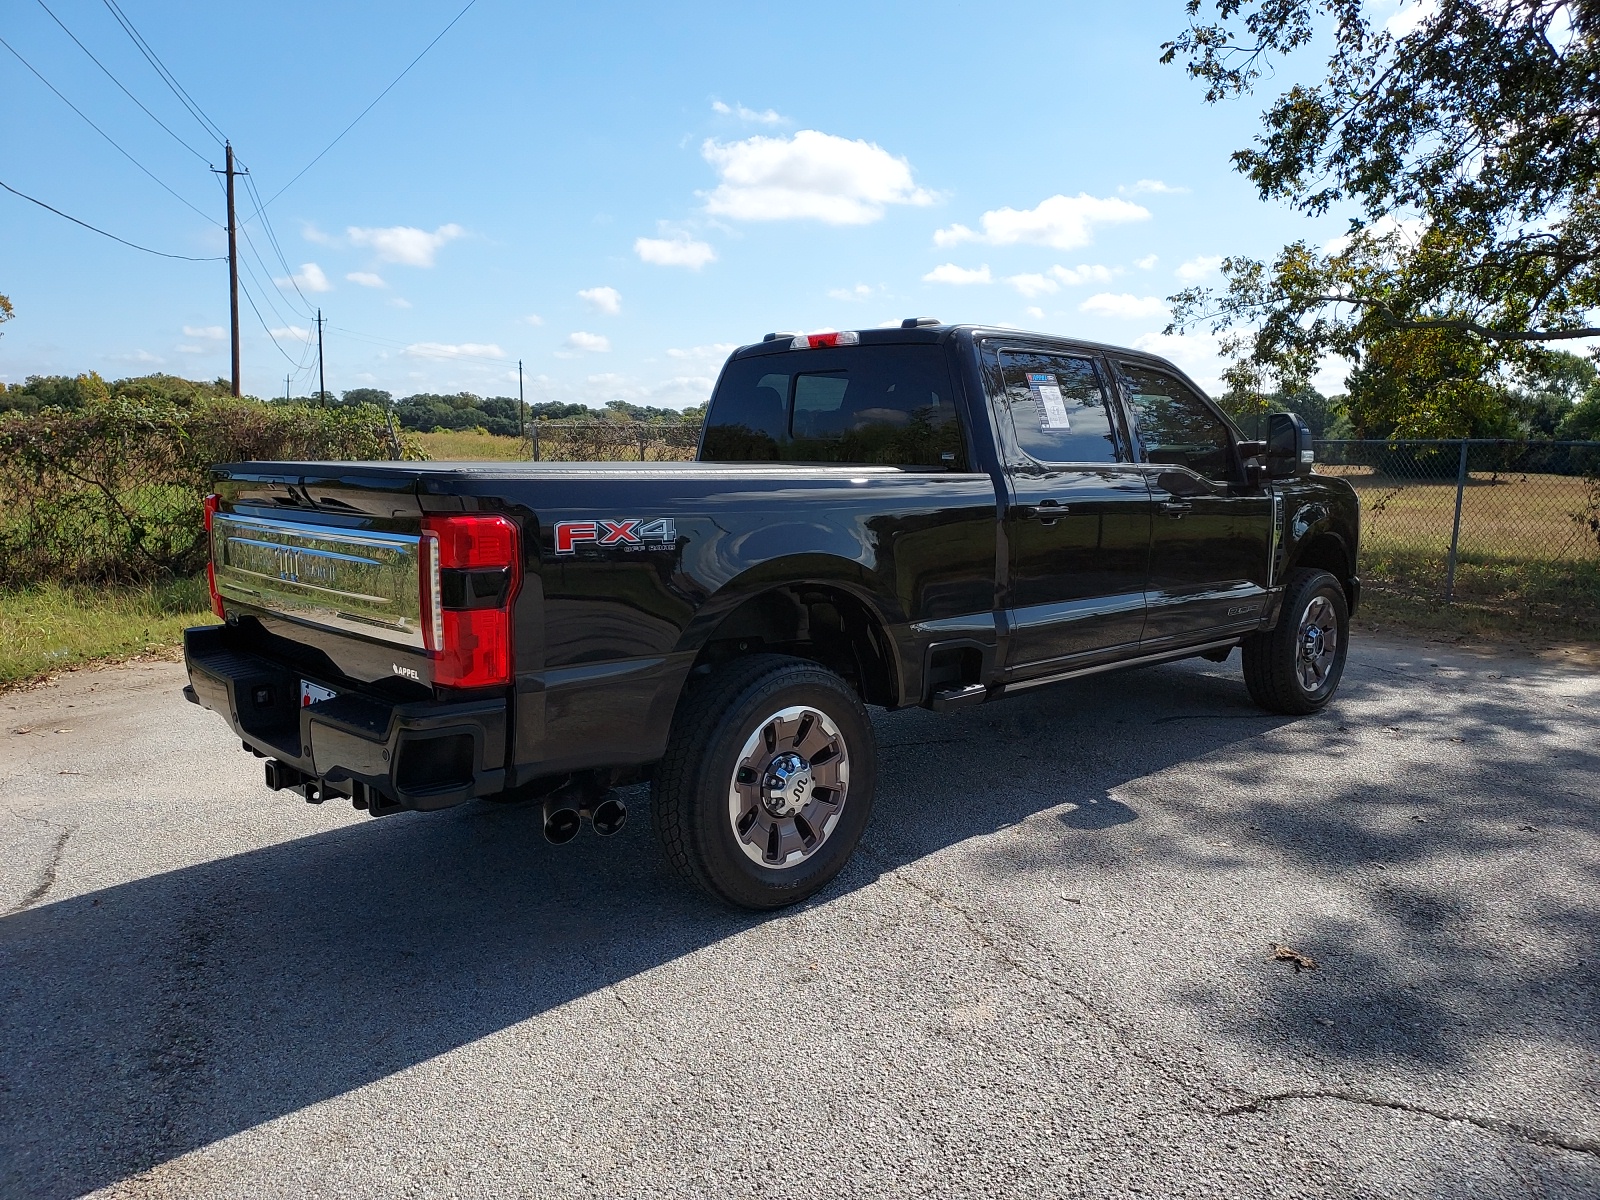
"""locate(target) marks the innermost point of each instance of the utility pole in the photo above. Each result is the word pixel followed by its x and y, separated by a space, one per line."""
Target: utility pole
pixel 286 389
pixel 233 261
pixel 322 380
pixel 520 429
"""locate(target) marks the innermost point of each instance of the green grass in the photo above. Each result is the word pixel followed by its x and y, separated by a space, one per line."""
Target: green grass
pixel 52 626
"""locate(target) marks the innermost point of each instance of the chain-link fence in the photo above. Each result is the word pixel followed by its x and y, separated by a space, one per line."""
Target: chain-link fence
pixel 604 441
pixel 1509 525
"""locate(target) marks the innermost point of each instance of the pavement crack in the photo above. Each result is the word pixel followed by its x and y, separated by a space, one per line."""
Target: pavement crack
pixel 1532 1135
pixel 1161 1065
pixel 47 876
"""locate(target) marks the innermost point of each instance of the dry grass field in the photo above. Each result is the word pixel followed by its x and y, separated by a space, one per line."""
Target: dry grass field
pixel 598 443
pixel 1524 556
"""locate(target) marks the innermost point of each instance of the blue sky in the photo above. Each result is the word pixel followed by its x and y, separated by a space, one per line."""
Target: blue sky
pixel 614 194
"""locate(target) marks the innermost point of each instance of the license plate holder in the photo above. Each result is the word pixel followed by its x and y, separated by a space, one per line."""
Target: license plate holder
pixel 311 693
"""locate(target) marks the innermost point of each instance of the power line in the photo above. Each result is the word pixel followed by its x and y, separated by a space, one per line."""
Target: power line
pixel 104 134
pixel 365 110
pixel 119 83
pixel 271 336
pixel 103 233
pixel 167 76
pixel 272 237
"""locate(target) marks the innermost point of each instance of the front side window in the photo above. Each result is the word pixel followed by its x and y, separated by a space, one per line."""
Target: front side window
pixel 1058 407
pixel 890 405
pixel 1174 427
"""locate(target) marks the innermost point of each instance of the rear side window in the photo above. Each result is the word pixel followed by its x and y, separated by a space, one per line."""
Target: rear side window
pixel 889 405
pixel 1174 426
pixel 1058 407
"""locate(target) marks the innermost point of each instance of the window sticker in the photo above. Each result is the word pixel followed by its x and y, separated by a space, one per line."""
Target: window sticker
pixel 1047 394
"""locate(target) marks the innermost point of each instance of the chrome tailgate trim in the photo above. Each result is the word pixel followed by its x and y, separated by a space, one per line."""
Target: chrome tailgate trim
pixel 355 582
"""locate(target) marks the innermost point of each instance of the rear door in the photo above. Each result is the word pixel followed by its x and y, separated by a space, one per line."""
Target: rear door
pixel 1211 539
pixel 1078 516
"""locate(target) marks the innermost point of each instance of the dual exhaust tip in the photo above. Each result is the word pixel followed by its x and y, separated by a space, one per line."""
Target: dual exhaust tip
pixel 567 806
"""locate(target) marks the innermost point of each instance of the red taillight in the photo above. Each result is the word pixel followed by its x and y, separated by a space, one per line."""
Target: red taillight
pixel 471 570
pixel 211 557
pixel 816 341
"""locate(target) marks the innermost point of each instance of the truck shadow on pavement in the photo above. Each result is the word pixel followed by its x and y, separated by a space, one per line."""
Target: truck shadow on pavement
pixel 154 1017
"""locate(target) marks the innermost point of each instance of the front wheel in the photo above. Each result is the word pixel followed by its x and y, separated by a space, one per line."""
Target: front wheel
pixel 767 782
pixel 1295 668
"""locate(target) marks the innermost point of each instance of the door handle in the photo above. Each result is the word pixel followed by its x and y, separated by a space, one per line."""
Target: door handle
pixel 1048 511
pixel 1176 508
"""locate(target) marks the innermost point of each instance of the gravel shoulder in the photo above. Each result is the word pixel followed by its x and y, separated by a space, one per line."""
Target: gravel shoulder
pixel 1050 971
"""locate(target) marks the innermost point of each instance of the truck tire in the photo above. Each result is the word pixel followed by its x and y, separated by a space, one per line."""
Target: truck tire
pixel 1295 668
pixel 767 782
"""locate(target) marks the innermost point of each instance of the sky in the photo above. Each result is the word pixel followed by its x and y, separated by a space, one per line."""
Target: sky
pixel 615 195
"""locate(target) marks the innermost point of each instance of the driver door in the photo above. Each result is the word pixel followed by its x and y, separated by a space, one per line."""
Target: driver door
pixel 1211 534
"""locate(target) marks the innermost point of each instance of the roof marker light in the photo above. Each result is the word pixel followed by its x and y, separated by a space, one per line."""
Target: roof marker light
pixel 817 341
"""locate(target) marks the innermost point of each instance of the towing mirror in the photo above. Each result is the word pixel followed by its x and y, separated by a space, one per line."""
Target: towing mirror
pixel 1289 448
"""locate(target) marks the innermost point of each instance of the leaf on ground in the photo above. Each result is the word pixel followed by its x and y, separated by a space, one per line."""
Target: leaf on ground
pixel 1302 962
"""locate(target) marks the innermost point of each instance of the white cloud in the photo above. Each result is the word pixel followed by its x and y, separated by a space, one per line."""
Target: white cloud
pixel 441 351
pixel 810 176
pixel 1148 261
pixel 403 244
pixel 674 252
pixel 1108 304
pixel 860 292
pixel 950 273
pixel 1033 286
pixel 1409 17
pixel 214 332
pixel 182 348
pixel 366 279
pixel 593 342
pixel 400 302
pixel 138 356
pixel 1152 187
pixel 602 299
pixel 312 234
pixel 1064 222
pixel 309 278
pixel 291 333
pixel 1197 269
pixel 1036 313
pixel 1084 273
pixel 764 117
pixel 1409 230
pixel 534 319
pixel 715 352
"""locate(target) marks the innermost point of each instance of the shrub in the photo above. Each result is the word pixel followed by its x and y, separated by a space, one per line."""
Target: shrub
pixel 112 490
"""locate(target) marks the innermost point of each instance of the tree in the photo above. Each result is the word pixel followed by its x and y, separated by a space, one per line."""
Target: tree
pixel 6 311
pixel 1467 149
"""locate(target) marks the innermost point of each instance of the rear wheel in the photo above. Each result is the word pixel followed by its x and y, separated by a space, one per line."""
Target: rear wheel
pixel 767 782
pixel 1295 668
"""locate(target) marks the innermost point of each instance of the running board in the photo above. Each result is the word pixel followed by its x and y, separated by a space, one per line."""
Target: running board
pixel 1143 661
pixel 952 699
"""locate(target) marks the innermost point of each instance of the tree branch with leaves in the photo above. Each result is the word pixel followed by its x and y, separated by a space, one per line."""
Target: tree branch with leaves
pixel 1468 148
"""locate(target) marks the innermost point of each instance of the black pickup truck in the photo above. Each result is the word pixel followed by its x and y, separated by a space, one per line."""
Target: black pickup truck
pixel 932 515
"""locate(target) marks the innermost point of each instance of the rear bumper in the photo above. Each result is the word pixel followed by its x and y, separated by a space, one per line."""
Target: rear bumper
pixel 415 755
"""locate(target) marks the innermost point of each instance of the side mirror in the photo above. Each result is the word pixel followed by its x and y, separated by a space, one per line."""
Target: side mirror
pixel 1289 448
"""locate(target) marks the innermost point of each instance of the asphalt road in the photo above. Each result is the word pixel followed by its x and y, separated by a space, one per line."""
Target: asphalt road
pixel 1048 972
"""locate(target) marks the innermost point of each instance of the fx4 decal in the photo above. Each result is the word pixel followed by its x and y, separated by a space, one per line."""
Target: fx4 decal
pixel 628 533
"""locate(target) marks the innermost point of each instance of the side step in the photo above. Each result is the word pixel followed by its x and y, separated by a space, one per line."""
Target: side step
pixel 952 699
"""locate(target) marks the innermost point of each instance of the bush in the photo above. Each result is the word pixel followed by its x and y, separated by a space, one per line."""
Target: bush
pixel 112 490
